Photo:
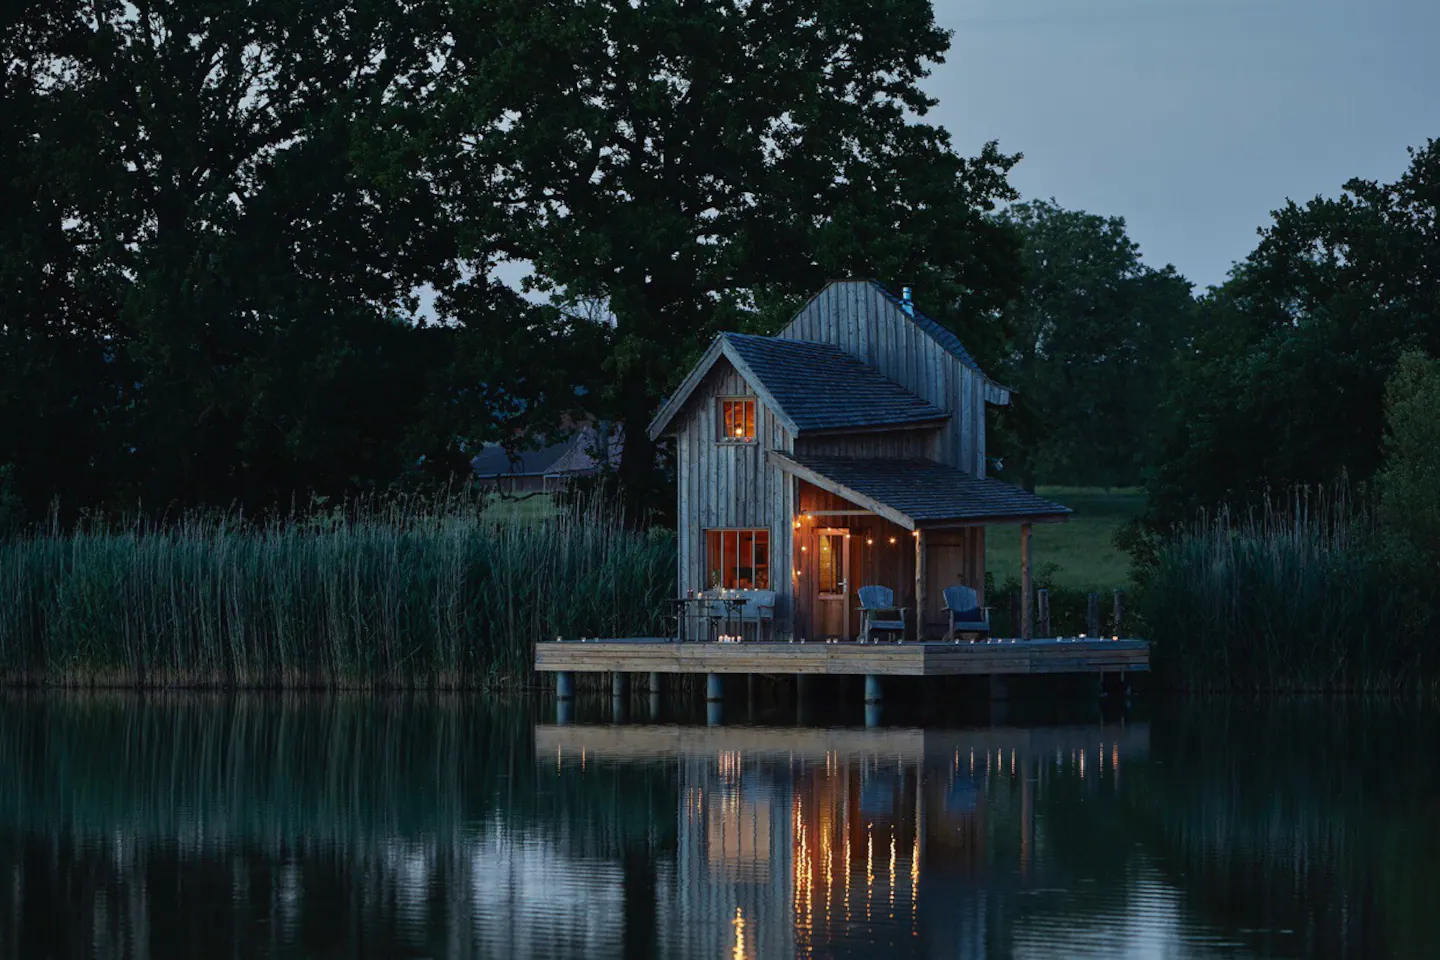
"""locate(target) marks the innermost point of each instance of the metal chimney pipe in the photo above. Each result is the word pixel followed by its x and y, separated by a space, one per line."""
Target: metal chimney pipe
pixel 907 305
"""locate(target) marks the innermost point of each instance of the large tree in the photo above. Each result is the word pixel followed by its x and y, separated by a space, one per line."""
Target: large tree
pixel 208 270
pixel 1093 332
pixel 1285 381
pixel 693 164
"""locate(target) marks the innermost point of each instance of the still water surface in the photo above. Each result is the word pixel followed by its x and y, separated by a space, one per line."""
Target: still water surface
pixel 196 825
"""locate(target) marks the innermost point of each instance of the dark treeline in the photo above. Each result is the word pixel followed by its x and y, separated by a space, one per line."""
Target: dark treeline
pixel 249 249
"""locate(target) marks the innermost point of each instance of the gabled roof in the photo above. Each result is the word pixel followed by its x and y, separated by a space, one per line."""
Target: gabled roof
pixel 809 386
pixel 940 334
pixel 582 452
pixel 916 493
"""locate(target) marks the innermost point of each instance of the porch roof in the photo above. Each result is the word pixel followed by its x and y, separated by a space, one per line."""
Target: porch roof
pixel 922 493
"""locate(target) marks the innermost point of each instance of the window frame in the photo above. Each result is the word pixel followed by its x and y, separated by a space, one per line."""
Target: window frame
pixel 750 422
pixel 752 566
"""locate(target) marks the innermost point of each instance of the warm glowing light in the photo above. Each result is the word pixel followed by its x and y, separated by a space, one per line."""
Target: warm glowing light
pixel 739 924
pixel 797 524
pixel 869 541
pixel 892 541
pixel 803 548
pixel 739 431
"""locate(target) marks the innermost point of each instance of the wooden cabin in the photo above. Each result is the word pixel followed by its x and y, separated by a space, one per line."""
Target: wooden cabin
pixel 847 450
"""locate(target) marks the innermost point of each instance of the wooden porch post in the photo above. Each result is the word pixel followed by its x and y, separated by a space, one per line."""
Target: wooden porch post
pixel 919 585
pixel 1027 602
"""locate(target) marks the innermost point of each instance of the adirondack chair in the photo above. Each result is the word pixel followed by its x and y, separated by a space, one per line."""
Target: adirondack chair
pixel 963 613
pixel 878 612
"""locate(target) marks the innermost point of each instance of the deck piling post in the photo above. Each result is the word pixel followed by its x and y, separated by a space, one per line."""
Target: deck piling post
pixel 565 685
pixel 1092 615
pixel 872 715
pixel 872 688
pixel 655 706
pixel 999 687
pixel 619 685
pixel 714 713
pixel 920 581
pixel 652 683
pixel 564 712
pixel 1027 591
pixel 1119 614
pixel 714 688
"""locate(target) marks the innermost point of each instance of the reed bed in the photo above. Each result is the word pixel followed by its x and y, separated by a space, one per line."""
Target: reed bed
pixel 403 594
pixel 1293 595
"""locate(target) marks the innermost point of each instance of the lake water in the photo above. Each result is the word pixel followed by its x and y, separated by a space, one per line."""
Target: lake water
pixel 362 826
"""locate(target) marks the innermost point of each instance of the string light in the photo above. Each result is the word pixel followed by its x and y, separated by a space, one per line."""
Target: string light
pixel 892 541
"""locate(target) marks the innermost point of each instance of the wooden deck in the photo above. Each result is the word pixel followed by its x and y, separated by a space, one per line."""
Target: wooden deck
pixel 994 657
pixel 650 742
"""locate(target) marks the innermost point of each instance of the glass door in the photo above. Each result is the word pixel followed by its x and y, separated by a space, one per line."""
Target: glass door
pixel 832 583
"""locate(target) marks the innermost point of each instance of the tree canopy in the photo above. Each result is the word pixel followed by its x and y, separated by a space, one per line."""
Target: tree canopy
pixel 1092 332
pixel 221 219
pixel 1284 382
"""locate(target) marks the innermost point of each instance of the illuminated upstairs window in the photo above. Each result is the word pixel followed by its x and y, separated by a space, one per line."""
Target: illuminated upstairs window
pixel 737 420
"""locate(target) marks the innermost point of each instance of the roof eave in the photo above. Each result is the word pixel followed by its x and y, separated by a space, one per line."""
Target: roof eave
pixel 721 346
pixel 1003 520
pixel 803 472
pixel 929 423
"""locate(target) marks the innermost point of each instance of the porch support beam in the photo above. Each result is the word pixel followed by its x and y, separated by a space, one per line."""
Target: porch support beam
pixel 1027 600
pixel 920 584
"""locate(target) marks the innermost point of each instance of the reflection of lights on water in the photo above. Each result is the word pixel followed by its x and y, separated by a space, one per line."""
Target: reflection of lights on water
pixel 892 873
pixel 869 867
pixel 739 924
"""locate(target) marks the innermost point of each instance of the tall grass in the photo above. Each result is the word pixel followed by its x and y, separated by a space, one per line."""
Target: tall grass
pixel 397 594
pixel 1292 595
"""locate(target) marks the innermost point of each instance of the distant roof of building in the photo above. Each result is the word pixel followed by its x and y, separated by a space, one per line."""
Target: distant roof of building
pixel 572 456
pixel 923 491
pixel 810 386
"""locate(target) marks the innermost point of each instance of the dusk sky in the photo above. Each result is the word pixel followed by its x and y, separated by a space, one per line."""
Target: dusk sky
pixel 1192 119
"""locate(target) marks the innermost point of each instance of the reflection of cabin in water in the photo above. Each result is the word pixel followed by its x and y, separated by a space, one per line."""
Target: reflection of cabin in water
pixel 847 450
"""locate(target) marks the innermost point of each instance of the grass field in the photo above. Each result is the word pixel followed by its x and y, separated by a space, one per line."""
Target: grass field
pixel 1081 548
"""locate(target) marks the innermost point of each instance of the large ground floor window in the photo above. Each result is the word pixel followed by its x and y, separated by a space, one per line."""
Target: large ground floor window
pixel 738 559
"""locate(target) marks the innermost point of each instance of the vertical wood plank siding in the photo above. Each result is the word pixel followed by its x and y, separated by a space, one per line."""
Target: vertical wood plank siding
pixel 955 556
pixel 731 485
pixel 736 486
pixel 857 318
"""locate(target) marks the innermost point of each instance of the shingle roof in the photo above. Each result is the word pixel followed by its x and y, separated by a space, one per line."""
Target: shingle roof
pixel 929 492
pixel 821 387
pixel 576 454
pixel 938 333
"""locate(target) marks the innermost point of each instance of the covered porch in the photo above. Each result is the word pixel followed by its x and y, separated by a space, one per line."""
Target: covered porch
pixel 913 526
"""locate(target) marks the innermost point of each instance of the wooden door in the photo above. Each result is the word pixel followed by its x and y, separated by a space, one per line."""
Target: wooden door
pixel 832 583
